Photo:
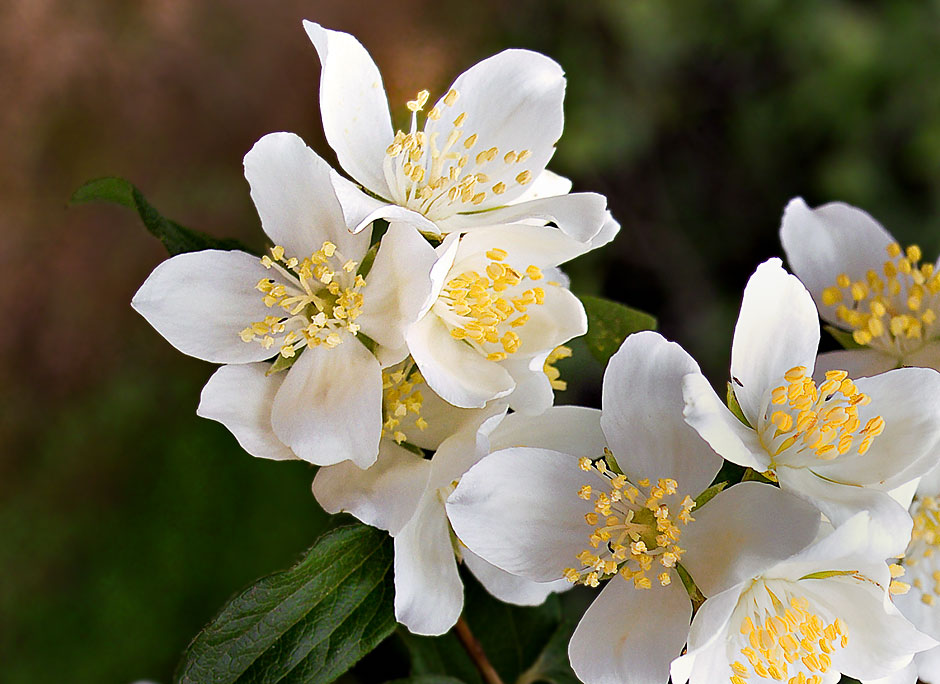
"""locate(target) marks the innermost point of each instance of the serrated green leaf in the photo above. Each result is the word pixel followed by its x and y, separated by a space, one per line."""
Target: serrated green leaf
pixel 732 400
pixel 308 624
pixel 609 323
pixel 176 238
pixel 843 337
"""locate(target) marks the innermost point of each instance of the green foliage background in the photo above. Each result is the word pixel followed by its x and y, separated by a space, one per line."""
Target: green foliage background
pixel 126 521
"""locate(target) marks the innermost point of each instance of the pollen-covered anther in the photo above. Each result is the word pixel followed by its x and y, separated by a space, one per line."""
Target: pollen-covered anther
pixel 822 421
pixel 402 401
pixel 320 300
pixel 894 310
pixel 633 530
pixel 431 171
pixel 486 309
pixel 786 641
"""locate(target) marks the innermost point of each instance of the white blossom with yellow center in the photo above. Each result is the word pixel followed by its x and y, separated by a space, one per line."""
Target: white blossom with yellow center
pixel 809 619
pixel 839 442
pixel 550 503
pixel 476 157
pixel 305 304
pixel 864 282
pixel 499 308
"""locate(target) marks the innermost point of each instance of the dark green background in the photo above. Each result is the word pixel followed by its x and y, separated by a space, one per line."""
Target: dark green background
pixel 126 521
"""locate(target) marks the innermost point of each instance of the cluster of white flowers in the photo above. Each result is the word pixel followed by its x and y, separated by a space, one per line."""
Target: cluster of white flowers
pixel 416 370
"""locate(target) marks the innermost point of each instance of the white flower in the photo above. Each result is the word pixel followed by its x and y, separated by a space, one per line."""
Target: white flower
pixel 405 493
pixel 841 444
pixel 305 302
pixel 477 159
pixel 921 562
pixel 548 509
pixel 819 614
pixel 498 308
pixel 863 282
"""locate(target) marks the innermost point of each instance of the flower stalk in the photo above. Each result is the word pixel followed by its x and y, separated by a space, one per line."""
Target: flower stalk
pixel 475 650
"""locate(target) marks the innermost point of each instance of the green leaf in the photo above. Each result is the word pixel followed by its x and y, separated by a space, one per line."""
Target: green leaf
pixel 309 623
pixel 732 401
pixel 513 638
pixel 843 337
pixel 427 679
pixel 176 238
pixel 282 363
pixel 609 323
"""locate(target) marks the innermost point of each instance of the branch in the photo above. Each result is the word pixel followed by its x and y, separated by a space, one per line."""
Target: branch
pixel 475 651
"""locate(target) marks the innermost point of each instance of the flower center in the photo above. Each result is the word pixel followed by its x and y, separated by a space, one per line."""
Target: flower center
pixel 783 638
pixel 485 310
pixel 633 529
pixel 319 301
pixel 438 176
pixel 402 401
pixel 822 423
pixel 925 540
pixel 893 311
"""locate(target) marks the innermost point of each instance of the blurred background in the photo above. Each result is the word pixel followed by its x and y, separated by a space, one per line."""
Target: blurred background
pixel 125 520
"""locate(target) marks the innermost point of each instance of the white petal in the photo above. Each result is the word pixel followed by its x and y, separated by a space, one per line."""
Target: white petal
pixel 353 106
pixel 453 369
pixel 519 510
pixel 385 495
pixel 928 665
pixel 525 245
pixel 930 483
pixel 777 329
pixel 707 638
pixel 240 397
pixel 293 192
pixel 629 636
pixel 390 212
pixel 908 399
pixel 858 363
pixel 891 525
pixel 574 430
pixel 329 408
pixel 742 532
pixel 832 239
pixel 512 101
pixel 511 588
pixel 880 641
pixel 533 394
pixel 445 420
pixel 201 301
pixel 727 435
pixel 906 675
pixel 580 215
pixel 642 414
pixel 459 452
pixel 546 184
pixel 607 233
pixel 428 590
pixel 397 286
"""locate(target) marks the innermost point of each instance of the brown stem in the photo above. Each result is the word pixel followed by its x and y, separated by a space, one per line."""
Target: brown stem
pixel 475 651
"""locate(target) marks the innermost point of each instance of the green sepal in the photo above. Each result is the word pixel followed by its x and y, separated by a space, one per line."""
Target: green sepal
pixel 695 594
pixel 708 494
pixel 735 407
pixel 609 324
pixel 367 260
pixel 309 623
pixel 826 574
pixel 282 363
pixel 843 337
pixel 176 238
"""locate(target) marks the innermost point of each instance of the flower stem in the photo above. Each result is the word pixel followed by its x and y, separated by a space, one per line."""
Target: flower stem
pixel 475 651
